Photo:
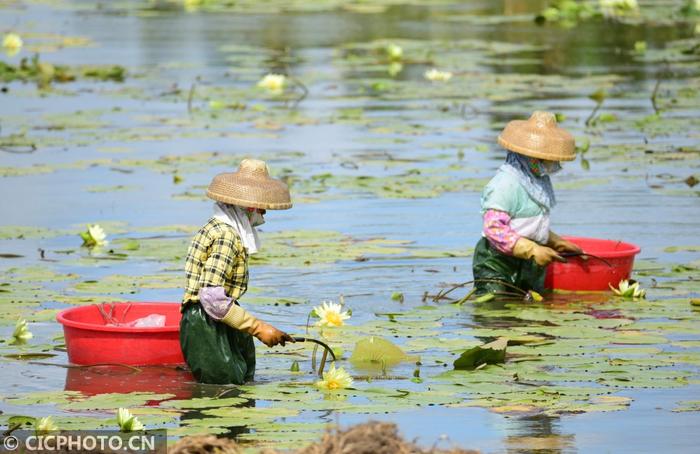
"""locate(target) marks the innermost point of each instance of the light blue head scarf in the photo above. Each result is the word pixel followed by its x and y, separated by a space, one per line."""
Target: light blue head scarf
pixel 533 175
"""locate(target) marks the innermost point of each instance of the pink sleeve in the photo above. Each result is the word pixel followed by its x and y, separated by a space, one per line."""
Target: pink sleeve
pixel 498 231
pixel 214 301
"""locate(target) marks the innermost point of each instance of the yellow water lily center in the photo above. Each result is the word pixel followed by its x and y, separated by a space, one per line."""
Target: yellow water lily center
pixel 12 43
pixel 274 83
pixel 331 314
pixel 335 379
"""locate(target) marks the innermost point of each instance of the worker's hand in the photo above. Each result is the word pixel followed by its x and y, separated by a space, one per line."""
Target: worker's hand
pixel 568 246
pixel 559 244
pixel 269 335
pixel 543 255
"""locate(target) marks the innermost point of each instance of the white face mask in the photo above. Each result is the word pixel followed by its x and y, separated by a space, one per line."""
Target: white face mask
pixel 256 219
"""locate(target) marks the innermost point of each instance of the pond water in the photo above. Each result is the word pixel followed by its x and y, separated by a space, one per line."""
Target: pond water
pixel 386 170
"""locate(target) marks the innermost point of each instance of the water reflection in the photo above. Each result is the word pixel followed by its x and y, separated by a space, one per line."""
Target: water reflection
pixel 126 379
pixel 539 433
pixel 177 382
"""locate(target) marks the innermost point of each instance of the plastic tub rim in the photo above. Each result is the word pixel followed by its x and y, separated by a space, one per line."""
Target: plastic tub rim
pixel 631 251
pixel 61 318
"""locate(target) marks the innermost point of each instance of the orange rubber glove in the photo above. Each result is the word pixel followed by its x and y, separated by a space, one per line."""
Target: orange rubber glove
pixel 561 245
pixel 542 255
pixel 239 318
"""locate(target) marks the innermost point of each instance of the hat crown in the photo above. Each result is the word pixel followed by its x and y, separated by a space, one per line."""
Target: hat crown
pixel 250 186
pixel 539 137
pixel 543 119
pixel 253 168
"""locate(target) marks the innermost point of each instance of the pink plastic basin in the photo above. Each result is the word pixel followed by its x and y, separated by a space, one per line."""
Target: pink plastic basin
pixel 90 341
pixel 593 274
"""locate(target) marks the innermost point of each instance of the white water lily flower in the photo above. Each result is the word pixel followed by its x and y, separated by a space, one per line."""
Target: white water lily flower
pixel 394 52
pixel 330 314
pixel 627 290
pixel 45 426
pixel 335 379
pixel 21 334
pixel 128 422
pixel 274 83
pixel 95 236
pixel 435 75
pixel 12 43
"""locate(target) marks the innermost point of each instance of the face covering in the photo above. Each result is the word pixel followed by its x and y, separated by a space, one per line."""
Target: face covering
pixel 255 217
pixel 551 167
pixel 532 175
pixel 237 218
pixel 542 167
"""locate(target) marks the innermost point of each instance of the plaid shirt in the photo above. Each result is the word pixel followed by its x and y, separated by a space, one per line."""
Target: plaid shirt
pixel 216 258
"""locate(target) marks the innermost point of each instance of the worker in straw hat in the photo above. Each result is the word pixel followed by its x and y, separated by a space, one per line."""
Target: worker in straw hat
pixel 216 334
pixel 517 243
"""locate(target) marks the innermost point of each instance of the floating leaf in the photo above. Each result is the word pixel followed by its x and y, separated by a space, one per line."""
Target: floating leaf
pixel 491 353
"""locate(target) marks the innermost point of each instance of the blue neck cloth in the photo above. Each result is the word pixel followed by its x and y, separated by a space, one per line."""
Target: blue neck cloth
pixel 532 175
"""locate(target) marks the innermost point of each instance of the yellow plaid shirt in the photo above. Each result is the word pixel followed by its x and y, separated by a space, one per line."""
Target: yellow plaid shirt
pixel 216 258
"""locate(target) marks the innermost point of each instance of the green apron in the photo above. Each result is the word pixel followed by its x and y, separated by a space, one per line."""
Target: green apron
pixel 215 352
pixel 488 263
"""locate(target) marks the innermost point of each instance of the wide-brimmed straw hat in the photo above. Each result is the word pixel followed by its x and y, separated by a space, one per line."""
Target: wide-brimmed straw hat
pixel 539 137
pixel 250 186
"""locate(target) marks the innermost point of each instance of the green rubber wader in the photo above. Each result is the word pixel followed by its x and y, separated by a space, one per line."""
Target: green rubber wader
pixel 491 264
pixel 215 352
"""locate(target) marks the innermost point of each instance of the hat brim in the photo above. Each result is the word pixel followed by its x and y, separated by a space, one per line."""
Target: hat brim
pixel 264 193
pixel 534 153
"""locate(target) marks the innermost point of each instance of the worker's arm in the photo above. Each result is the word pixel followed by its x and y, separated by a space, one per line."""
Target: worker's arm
pixel 222 308
pixel 498 231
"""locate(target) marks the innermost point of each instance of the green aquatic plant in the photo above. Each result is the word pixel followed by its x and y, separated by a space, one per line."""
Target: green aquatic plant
pixel 21 334
pixel 128 422
pixel 628 289
pixel 374 350
pixel 481 355
pixel 394 52
pixel 533 296
pixel 616 8
pixel 566 13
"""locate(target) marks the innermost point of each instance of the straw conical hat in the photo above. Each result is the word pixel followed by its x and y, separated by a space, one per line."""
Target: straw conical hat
pixel 251 186
pixel 539 137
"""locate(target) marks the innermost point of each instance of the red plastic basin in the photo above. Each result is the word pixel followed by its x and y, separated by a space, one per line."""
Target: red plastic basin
pixel 593 274
pixel 90 341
